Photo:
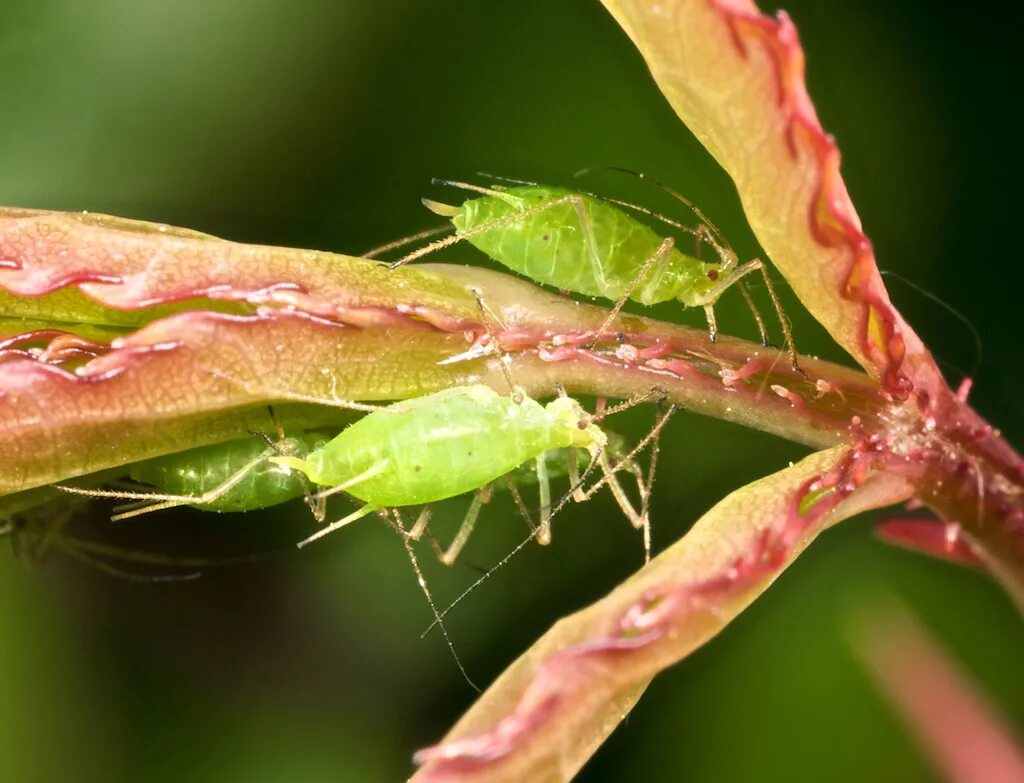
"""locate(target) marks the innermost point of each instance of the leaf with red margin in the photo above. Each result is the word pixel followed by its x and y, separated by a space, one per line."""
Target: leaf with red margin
pixel 102 267
pixel 552 708
pixel 74 401
pixel 736 78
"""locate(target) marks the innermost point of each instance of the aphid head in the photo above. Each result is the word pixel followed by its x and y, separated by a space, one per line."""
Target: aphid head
pixel 697 289
pixel 583 433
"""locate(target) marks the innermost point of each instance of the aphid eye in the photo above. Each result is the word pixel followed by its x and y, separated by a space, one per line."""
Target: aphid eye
pixel 712 274
pixel 545 237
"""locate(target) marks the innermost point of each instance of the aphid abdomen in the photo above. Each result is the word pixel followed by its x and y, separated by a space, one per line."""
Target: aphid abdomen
pixel 199 470
pixel 552 246
pixel 439 446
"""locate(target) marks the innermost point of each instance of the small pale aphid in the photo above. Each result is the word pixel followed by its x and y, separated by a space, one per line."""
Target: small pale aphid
pixel 231 476
pixel 201 472
pixel 579 242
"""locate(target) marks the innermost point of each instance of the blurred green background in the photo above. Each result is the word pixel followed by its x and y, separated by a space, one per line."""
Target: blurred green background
pixel 319 124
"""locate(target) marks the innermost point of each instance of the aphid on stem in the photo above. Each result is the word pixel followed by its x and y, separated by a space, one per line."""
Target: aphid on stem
pixel 453 442
pixel 579 242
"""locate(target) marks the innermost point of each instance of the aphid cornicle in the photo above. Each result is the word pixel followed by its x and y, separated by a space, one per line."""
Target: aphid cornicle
pixel 579 242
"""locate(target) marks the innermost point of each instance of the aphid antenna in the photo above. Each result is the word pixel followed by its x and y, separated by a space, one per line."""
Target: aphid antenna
pixel 652 435
pixel 666 189
pixel 632 402
pixel 483 578
pixel 510 180
pixel 398 524
pixel 975 334
pixel 289 396
pixel 373 252
pixel 644 211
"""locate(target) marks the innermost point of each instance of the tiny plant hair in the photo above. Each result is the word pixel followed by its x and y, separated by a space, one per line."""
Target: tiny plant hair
pixel 582 243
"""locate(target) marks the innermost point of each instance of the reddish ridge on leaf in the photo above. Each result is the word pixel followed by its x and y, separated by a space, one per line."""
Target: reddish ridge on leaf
pixel 833 218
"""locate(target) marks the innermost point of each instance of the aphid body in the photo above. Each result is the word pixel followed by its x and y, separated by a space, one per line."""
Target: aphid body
pixel 444 444
pixel 582 243
pixel 599 253
pixel 203 470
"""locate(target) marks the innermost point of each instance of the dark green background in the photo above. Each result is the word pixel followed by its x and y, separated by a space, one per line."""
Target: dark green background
pixel 319 124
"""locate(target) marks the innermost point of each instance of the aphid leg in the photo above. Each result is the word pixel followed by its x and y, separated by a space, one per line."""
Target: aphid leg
pixel 637 520
pixel 480 498
pixel 421 525
pixel 574 477
pixel 544 490
pixel 709 314
pixel 597 265
pixel 317 506
pixel 518 395
pixel 652 435
pixel 648 438
pixel 372 253
pixel 358 514
pixel 660 256
pixel 517 498
pixel 648 487
pixel 160 501
pixel 745 290
pixel 399 526
pixel 757 265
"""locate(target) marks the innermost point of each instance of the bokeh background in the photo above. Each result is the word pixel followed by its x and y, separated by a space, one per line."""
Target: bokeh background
pixel 319 124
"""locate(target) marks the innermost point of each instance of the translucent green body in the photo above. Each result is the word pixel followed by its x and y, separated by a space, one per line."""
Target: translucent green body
pixel 550 246
pixel 443 445
pixel 196 471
